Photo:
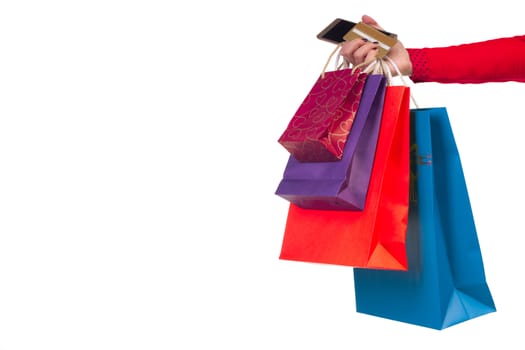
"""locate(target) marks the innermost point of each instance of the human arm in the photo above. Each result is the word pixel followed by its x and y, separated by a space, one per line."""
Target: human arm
pixel 496 60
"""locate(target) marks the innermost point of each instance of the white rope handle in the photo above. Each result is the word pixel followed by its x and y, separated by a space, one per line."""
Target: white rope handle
pixel 396 68
pixel 337 50
pixel 343 64
pixel 375 66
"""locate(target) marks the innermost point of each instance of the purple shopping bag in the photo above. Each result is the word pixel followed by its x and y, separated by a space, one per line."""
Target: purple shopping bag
pixel 343 184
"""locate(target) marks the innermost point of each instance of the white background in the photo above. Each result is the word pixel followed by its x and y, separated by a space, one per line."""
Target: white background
pixel 139 160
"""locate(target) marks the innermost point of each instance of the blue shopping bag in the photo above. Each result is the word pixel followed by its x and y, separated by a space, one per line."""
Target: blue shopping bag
pixel 445 283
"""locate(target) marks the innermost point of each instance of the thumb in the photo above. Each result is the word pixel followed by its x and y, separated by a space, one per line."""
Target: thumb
pixel 370 21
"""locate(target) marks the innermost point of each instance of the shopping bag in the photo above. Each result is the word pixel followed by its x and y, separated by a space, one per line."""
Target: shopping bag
pixel 445 283
pixel 375 236
pixel 340 185
pixel 319 129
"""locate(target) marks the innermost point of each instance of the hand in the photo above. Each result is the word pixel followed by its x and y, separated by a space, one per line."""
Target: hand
pixel 358 51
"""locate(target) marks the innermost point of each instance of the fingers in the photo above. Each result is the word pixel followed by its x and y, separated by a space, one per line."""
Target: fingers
pixel 371 55
pixel 358 51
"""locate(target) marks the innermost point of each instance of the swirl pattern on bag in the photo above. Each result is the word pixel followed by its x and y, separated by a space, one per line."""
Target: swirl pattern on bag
pixel 321 125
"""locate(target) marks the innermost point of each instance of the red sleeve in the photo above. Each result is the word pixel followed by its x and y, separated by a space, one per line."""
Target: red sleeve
pixel 496 60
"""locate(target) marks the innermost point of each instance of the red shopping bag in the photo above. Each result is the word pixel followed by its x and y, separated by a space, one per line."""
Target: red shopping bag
pixel 374 237
pixel 319 129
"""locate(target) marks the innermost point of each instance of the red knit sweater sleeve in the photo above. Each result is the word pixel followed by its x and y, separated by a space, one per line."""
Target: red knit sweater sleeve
pixel 496 60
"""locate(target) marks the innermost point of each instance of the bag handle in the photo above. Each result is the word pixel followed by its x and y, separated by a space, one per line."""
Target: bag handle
pixel 398 71
pixel 337 50
pixel 338 66
pixel 380 66
pixel 374 66
pixel 346 64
